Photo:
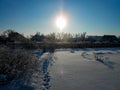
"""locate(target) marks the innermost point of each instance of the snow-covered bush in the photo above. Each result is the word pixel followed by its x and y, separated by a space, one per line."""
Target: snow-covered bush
pixel 15 64
pixel 100 58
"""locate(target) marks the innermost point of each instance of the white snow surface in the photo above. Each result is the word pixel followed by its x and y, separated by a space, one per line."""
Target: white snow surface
pixel 77 69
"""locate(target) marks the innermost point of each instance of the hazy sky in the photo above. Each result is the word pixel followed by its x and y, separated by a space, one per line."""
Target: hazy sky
pixel 96 17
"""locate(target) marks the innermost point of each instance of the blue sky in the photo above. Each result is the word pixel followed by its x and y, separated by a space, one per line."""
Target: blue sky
pixel 96 17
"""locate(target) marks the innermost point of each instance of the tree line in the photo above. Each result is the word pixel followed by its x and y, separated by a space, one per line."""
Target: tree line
pixel 11 35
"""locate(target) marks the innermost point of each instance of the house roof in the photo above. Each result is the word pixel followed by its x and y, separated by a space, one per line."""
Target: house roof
pixel 109 37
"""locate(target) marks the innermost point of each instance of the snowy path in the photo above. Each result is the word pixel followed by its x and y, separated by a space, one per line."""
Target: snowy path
pixel 80 71
pixel 75 70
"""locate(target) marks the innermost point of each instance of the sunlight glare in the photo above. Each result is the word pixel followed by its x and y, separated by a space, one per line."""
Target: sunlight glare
pixel 61 22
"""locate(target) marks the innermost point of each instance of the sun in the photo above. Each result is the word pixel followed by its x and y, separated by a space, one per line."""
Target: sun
pixel 61 22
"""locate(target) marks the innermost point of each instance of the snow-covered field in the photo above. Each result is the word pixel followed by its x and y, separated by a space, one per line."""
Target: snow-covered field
pixel 75 69
pixel 78 70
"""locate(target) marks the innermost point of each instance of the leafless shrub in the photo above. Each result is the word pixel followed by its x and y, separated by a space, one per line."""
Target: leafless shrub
pixel 15 64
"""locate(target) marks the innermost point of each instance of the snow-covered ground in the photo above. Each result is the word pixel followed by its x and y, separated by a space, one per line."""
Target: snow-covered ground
pixel 75 69
pixel 79 70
